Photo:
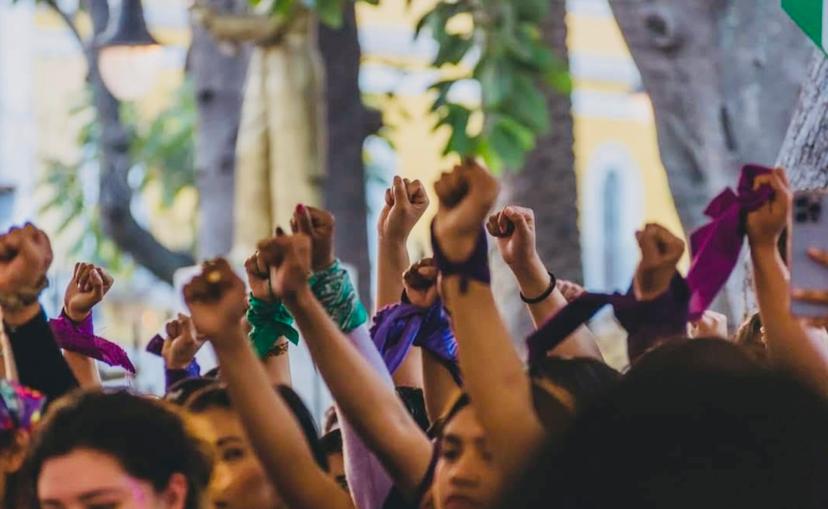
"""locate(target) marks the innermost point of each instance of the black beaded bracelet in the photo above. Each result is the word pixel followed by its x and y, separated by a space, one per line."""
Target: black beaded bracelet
pixel 553 283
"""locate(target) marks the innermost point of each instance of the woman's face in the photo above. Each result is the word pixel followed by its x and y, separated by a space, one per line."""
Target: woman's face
pixel 88 479
pixel 466 476
pixel 238 480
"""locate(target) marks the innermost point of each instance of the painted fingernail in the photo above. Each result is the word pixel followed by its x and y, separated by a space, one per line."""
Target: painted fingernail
pixel 300 208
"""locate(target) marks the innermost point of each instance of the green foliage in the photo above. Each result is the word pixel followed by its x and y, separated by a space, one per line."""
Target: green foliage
pixel 163 149
pixel 511 66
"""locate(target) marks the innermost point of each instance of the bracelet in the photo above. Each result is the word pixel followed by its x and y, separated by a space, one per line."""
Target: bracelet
pixel 553 283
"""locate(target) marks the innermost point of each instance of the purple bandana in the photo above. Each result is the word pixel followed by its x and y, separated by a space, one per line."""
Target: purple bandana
pixel 80 338
pixel 20 407
pixel 716 245
pixel 647 322
pixel 399 326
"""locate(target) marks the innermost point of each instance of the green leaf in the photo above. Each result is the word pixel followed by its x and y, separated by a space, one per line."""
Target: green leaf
pixel 330 12
pixel 495 76
pixel 457 118
pixel 452 49
pixel 533 10
pixel 511 141
pixel 442 88
pixel 528 105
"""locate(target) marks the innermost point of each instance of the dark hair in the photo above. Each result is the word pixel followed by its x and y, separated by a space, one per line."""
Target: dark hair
pixel 216 395
pixel 696 355
pixel 694 436
pixel 180 392
pixel 585 379
pixel 148 439
pixel 331 442
pixel 414 401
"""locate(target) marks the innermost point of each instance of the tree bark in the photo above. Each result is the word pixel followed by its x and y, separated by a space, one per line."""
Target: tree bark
pixel 218 74
pixel 348 122
pixel 547 184
pixel 723 78
pixel 805 149
pixel 115 197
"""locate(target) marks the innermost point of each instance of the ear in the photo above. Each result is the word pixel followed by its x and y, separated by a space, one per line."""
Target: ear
pixel 175 496
pixel 12 458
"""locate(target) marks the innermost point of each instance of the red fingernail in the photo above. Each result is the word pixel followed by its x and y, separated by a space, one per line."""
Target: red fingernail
pixel 300 208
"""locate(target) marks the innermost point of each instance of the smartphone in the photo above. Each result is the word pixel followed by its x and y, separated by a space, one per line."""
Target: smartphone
pixel 810 230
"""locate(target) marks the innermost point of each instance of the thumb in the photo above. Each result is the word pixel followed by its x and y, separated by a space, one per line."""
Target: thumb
pixel 303 220
pixel 400 191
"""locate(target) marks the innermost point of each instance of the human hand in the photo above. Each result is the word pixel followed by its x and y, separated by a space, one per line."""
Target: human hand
pixel 420 282
pixel 710 325
pixel 466 196
pixel 405 203
pixel 766 224
pixel 318 225
pixel 570 290
pixel 514 229
pixel 181 343
pixel 258 277
pixel 660 253
pixel 815 296
pixel 289 259
pixel 86 289
pixel 216 299
pixel 25 257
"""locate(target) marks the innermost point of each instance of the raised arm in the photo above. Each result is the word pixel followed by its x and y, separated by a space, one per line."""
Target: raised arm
pixel 181 344
pixel 514 229
pixel 365 398
pixel 25 256
pixel 792 345
pixel 494 375
pixel 216 300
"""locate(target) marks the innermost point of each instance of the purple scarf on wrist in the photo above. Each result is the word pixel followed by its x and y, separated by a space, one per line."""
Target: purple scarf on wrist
pixel 80 338
pixel 400 326
pixel 716 245
pixel 647 322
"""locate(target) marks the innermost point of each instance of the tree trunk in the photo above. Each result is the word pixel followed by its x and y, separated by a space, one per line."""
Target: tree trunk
pixel 218 74
pixel 547 184
pixel 805 149
pixel 348 123
pixel 723 77
pixel 115 192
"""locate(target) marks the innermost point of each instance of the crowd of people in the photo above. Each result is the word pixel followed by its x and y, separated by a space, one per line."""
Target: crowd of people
pixel 434 406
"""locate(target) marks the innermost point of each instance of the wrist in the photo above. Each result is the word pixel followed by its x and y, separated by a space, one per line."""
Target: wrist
pixel 74 315
pixel 531 275
pixel 179 364
pixel 21 316
pixel 299 299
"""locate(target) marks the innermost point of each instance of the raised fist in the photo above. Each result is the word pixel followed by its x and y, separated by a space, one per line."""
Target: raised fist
pixel 86 289
pixel 660 253
pixel 25 257
pixel 420 282
pixel 405 204
pixel 766 224
pixel 318 225
pixel 258 277
pixel 289 259
pixel 181 343
pixel 514 229
pixel 466 196
pixel 216 299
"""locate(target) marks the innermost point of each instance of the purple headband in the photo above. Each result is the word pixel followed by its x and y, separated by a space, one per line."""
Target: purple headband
pixel 80 338
pixel 399 326
pixel 20 407
pixel 647 322
pixel 716 245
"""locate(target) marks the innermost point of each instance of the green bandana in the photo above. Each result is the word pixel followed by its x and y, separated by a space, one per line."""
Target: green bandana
pixel 333 288
pixel 269 321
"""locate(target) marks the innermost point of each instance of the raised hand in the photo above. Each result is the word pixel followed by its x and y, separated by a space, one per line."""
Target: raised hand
pixel 514 229
pixel 570 290
pixel 318 225
pixel 405 203
pixel 466 196
pixel 766 224
pixel 710 325
pixel 25 257
pixel 216 299
pixel 181 343
pixel 88 286
pixel 289 259
pixel 660 253
pixel 258 277
pixel 420 282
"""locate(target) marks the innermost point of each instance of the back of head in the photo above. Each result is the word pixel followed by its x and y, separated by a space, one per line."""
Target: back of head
pixel 147 438
pixel 689 437
pixel 586 380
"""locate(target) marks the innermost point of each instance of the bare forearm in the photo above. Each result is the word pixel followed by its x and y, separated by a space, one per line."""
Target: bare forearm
pixel 533 280
pixel 278 366
pixel 272 427
pixel 791 345
pixel 366 397
pixel 438 385
pixel 392 262
pixel 493 373
pixel 84 368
